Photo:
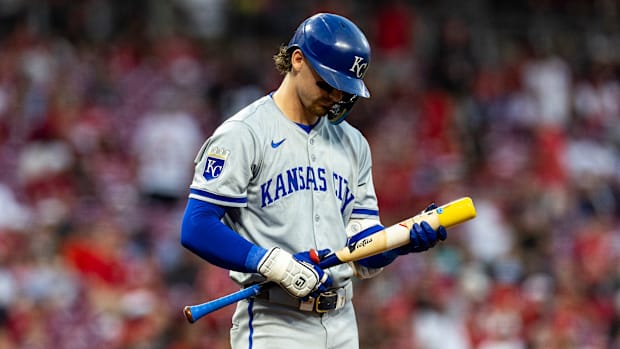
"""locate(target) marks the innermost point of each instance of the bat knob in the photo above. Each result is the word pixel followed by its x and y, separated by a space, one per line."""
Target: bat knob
pixel 188 314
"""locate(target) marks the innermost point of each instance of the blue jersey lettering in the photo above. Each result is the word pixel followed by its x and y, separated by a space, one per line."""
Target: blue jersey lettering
pixel 321 175
pixel 315 179
pixel 302 182
pixel 280 190
pixel 293 184
pixel 310 178
pixel 267 200
pixel 337 185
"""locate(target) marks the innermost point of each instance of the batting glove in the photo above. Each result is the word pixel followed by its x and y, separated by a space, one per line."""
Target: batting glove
pixel 313 258
pixel 423 236
pixel 294 274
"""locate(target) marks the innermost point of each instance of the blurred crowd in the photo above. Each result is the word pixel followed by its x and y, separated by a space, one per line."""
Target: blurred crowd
pixel 104 104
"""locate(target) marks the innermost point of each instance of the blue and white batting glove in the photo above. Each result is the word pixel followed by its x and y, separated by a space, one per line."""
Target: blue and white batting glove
pixel 423 236
pixel 313 258
pixel 294 274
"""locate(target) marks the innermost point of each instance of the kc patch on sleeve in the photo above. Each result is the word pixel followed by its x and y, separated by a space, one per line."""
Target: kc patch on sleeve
pixel 214 165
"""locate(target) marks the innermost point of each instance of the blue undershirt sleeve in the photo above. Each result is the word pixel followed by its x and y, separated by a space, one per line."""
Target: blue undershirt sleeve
pixel 203 233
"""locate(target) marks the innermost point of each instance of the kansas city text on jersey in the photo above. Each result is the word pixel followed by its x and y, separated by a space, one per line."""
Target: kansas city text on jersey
pixel 304 178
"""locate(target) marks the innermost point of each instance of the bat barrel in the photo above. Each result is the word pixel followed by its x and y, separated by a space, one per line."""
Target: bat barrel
pixel 456 212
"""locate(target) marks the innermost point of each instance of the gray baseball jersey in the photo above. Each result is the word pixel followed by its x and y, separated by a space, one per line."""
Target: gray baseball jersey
pixel 286 187
pixel 289 188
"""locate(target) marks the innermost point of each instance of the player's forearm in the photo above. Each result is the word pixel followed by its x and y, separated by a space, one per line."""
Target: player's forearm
pixel 203 233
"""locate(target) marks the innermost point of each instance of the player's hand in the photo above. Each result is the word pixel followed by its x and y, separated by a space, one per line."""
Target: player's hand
pixel 297 276
pixel 423 236
pixel 313 258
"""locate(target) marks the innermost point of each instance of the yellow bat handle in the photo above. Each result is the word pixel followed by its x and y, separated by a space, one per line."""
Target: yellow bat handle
pixel 454 212
pixel 448 215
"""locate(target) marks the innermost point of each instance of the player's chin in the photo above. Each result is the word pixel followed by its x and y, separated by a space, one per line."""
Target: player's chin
pixel 319 110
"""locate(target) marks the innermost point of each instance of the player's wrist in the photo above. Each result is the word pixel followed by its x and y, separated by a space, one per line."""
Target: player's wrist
pixel 254 257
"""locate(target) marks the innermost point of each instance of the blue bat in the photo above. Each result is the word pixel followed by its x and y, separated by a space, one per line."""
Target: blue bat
pixel 194 312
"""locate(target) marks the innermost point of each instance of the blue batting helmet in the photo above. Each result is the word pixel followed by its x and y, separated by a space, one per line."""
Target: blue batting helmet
pixel 336 49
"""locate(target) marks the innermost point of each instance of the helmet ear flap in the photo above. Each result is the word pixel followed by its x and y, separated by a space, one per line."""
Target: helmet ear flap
pixel 339 111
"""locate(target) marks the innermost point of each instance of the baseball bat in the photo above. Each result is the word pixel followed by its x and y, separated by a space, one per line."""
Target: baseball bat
pixel 397 235
pixel 448 215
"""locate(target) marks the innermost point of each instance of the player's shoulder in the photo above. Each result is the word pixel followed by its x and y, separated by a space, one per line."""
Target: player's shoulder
pixel 348 132
pixel 250 119
pixel 255 112
pixel 347 129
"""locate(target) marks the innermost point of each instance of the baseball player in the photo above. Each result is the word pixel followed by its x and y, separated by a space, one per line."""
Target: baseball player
pixel 285 176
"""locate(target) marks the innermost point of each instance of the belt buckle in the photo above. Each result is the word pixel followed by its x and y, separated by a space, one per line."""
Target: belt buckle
pixel 326 301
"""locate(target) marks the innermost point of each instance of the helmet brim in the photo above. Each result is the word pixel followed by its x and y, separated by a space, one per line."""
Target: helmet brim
pixel 339 80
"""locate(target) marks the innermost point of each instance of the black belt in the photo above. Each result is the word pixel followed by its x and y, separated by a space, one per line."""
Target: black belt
pixel 327 301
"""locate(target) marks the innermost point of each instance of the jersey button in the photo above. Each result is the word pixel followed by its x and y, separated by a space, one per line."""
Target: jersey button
pixel 312 141
pixel 313 158
pixel 317 218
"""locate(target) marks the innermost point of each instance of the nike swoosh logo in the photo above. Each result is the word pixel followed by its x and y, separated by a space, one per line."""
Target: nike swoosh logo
pixel 274 145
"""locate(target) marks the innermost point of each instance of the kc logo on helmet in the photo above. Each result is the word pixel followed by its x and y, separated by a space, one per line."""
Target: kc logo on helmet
pixel 358 67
